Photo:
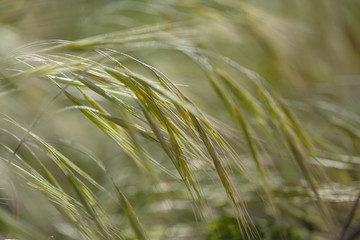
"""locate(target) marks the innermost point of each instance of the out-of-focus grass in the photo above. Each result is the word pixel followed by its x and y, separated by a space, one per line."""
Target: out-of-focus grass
pixel 156 120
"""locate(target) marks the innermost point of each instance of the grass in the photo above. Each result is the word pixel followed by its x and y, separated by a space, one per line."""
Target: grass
pixel 189 120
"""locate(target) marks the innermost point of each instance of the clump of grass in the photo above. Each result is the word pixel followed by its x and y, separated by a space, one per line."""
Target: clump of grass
pixel 155 148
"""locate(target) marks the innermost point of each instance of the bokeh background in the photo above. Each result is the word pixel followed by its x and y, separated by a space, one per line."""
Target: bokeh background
pixel 297 61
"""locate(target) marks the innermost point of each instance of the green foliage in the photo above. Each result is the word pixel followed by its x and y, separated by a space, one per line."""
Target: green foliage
pixel 152 118
pixel 228 228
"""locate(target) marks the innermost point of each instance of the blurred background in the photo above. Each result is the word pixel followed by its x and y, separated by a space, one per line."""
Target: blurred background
pixel 307 53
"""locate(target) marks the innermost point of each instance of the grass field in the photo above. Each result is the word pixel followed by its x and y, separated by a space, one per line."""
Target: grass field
pixel 232 120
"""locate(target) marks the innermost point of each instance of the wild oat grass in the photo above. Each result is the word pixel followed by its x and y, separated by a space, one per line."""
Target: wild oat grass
pixel 179 120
